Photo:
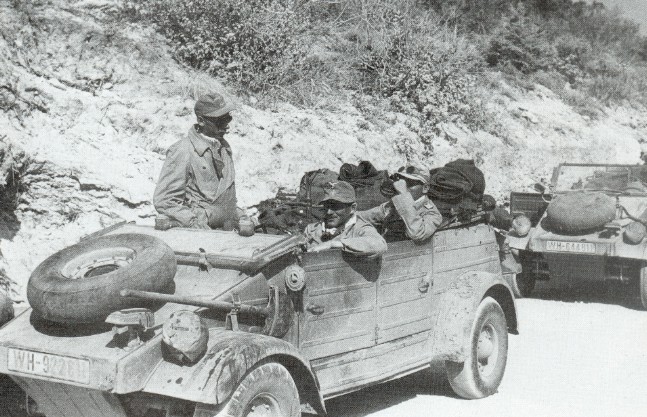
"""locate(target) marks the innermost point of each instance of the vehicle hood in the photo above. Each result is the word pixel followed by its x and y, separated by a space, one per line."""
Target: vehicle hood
pixel 119 369
pixel 608 241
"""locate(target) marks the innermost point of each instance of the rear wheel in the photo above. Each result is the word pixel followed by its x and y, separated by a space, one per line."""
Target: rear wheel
pixel 482 371
pixel 267 391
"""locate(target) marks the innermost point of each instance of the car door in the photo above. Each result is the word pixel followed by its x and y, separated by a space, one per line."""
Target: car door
pixel 404 291
pixel 338 304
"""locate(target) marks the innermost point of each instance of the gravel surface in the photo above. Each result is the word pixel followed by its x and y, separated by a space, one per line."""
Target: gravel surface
pixel 571 358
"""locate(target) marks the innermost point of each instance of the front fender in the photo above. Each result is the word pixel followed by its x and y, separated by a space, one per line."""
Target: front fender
pixel 230 356
pixel 456 310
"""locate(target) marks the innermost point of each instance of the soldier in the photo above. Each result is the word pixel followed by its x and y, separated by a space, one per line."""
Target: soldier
pixel 196 186
pixel 410 206
pixel 341 227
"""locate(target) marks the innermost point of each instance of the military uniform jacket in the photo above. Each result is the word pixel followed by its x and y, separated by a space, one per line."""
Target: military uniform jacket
pixel 198 174
pixel 421 217
pixel 358 237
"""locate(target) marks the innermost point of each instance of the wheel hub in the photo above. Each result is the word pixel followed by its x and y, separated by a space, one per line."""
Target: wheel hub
pixel 487 351
pixel 264 405
pixel 98 262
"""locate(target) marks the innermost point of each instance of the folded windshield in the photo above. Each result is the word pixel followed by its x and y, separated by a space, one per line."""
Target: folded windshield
pixel 624 179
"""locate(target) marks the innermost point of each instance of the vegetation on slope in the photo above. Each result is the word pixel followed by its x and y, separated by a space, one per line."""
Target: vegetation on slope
pixel 430 58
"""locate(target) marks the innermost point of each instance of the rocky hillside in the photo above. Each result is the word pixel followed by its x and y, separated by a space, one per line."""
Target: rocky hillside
pixel 89 105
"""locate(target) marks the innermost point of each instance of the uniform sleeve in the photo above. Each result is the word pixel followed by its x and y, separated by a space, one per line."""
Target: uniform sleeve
pixel 367 242
pixel 420 224
pixel 311 234
pixel 376 215
pixel 171 187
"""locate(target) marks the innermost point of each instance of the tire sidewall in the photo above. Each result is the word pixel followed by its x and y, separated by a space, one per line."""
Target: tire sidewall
pixel 61 299
pixel 488 311
pixel 271 378
pixel 642 287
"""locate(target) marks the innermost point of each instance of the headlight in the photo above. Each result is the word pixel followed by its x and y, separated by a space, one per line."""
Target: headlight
pixel 184 337
pixel 635 232
pixel 521 225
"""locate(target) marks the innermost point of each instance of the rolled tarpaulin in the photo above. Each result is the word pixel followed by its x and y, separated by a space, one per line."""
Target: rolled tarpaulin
pixel 580 211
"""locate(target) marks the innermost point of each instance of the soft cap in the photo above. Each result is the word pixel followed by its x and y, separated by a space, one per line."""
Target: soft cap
pixel 213 105
pixel 339 191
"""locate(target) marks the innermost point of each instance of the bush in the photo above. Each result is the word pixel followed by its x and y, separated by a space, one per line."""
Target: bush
pixel 407 55
pixel 426 56
pixel 522 43
pixel 244 40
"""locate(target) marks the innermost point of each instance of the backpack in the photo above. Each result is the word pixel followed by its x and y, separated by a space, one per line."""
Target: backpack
pixel 457 187
pixel 366 180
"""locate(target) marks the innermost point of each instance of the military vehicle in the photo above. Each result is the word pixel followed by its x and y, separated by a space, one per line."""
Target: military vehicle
pixel 134 321
pixel 588 227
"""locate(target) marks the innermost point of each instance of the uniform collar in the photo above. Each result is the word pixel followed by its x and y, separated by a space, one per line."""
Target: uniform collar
pixel 201 142
pixel 335 231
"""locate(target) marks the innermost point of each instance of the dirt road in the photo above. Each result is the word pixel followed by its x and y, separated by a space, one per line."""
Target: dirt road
pixel 570 359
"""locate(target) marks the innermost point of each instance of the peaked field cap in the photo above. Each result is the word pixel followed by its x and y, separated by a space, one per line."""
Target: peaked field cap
pixel 213 105
pixel 415 174
pixel 339 191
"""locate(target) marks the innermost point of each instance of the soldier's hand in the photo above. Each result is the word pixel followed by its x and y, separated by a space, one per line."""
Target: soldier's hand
pixel 400 186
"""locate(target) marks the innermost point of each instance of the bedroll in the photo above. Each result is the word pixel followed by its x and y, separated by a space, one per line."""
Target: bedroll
pixel 580 211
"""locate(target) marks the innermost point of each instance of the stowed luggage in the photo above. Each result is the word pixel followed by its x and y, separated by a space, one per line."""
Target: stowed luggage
pixel 457 188
pixel 580 212
pixel 292 213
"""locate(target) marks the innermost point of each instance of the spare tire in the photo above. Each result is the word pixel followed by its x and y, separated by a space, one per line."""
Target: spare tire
pixel 6 309
pixel 81 283
pixel 580 211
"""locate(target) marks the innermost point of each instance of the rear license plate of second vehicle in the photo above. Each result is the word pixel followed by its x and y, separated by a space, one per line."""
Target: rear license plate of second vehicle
pixel 53 366
pixel 579 247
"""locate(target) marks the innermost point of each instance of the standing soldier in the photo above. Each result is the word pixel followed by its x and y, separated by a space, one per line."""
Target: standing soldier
pixel 196 186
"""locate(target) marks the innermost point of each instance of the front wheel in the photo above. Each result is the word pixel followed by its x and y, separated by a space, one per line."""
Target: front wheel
pixel 267 391
pixel 642 282
pixel 482 371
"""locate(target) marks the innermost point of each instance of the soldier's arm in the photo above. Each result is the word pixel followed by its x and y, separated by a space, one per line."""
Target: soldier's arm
pixel 171 187
pixel 376 215
pixel 420 225
pixel 366 243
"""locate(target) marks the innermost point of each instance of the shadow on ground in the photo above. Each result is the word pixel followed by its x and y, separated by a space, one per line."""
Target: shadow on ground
pixel 382 396
pixel 623 294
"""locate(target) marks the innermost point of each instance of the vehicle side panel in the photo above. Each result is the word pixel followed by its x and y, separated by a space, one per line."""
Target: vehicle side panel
pixel 416 323
pixel 339 304
pixel 456 308
pixel 404 291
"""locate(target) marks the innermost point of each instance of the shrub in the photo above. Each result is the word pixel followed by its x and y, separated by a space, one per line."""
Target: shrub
pixel 241 39
pixel 522 43
pixel 407 55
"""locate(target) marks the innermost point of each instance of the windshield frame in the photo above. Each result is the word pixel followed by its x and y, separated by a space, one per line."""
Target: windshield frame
pixel 559 171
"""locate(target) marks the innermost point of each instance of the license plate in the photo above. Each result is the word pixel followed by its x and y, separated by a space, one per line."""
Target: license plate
pixel 579 247
pixel 53 366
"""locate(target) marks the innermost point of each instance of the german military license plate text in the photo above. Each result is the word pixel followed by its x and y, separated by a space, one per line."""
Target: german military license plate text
pixel 579 247
pixel 53 366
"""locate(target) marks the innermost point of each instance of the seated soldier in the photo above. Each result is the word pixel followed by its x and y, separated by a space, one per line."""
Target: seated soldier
pixel 341 227
pixel 410 211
